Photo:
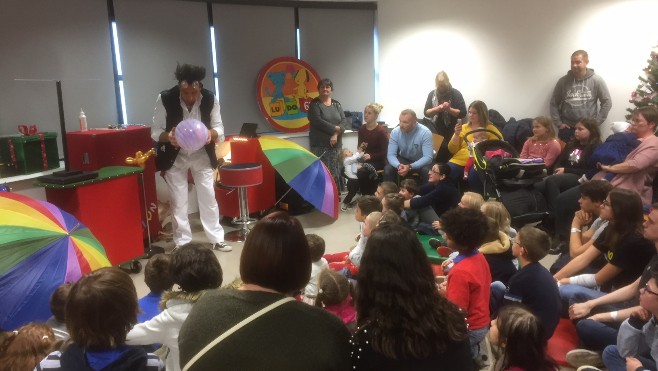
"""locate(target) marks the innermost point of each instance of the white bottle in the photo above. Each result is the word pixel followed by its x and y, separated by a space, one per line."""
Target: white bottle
pixel 83 120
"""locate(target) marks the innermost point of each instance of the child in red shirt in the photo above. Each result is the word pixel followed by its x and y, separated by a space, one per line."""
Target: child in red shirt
pixel 468 282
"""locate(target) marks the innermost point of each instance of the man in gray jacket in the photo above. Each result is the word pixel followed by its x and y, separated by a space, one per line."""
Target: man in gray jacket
pixel 577 95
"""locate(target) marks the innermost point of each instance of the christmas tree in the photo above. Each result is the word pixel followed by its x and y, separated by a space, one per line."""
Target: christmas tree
pixel 646 93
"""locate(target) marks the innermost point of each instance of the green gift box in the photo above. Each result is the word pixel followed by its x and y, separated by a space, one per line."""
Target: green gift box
pixel 27 154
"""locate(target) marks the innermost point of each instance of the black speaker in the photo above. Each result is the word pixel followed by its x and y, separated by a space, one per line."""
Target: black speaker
pixel 288 199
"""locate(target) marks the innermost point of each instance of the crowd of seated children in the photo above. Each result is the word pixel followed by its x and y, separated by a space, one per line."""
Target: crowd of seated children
pixel 195 269
pixel 533 285
pixel 468 281
pixel 586 225
pixel 317 246
pixel 157 277
pixel 351 259
pixel 403 322
pixel 57 307
pixel 335 294
pixel 100 310
pixel 522 339
pixel 599 318
pixel 25 347
pixel 542 144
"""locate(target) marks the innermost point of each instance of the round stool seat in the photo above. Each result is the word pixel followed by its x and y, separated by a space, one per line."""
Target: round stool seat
pixel 241 175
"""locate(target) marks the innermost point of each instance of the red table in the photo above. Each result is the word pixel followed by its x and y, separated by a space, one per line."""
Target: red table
pixel 109 206
pixel 97 148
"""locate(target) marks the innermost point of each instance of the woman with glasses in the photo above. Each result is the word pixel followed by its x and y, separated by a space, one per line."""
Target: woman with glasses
pixel 625 250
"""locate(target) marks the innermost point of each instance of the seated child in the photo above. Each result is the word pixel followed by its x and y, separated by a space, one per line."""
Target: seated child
pixel 389 217
pixel 637 345
pixel 533 285
pixel 478 137
pixel 386 188
pixel 335 296
pixel 351 165
pixel 352 259
pixel 497 250
pixel 24 348
pixel 469 200
pixel 467 283
pixel 522 338
pixel 100 310
pixel 57 305
pixel 195 269
pixel 395 203
pixel 409 190
pixel 158 279
pixel 543 145
pixel 318 264
pixel 498 211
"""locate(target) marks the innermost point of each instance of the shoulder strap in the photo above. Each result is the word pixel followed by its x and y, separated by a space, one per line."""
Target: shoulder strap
pixel 233 329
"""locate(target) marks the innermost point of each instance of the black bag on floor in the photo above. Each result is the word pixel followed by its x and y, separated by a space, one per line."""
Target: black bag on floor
pixel 525 205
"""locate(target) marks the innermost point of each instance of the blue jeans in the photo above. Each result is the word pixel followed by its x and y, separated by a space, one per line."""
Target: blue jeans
pixel 496 298
pixel 596 335
pixel 572 294
pixel 474 182
pixel 475 337
pixel 615 362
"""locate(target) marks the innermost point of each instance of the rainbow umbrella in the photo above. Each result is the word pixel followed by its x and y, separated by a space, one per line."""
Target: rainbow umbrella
pixel 304 172
pixel 41 247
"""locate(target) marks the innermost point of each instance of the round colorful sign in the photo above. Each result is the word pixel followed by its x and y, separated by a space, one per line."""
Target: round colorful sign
pixel 286 87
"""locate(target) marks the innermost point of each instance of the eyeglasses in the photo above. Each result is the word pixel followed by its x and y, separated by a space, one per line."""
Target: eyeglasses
pixel 435 172
pixel 605 203
pixel 646 288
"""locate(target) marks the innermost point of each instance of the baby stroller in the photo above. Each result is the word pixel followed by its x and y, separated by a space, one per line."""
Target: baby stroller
pixel 510 179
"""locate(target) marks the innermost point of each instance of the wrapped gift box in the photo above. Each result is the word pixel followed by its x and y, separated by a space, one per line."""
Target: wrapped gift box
pixel 29 153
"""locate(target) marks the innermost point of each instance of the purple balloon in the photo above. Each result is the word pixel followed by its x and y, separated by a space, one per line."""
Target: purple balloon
pixel 191 134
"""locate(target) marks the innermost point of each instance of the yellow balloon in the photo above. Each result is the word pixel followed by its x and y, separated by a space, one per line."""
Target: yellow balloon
pixel 140 158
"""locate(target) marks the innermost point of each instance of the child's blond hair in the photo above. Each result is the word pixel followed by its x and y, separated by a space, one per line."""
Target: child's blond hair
pixel 497 211
pixel 472 200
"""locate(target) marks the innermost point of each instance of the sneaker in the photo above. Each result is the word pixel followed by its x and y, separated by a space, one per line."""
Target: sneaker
pixel 221 246
pixel 588 368
pixel 434 242
pixel 557 249
pixel 584 357
pixel 343 207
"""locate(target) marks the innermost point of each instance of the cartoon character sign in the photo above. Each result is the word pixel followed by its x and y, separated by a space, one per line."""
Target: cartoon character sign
pixel 285 89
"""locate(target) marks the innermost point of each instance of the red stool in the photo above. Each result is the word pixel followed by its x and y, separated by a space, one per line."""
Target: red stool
pixel 241 176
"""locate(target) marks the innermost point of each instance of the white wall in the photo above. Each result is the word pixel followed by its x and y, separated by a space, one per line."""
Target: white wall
pixel 509 53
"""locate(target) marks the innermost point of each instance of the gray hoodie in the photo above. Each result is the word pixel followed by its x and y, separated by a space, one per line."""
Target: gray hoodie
pixel 573 99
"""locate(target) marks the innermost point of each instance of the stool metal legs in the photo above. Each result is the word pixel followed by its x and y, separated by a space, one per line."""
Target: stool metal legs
pixel 240 235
